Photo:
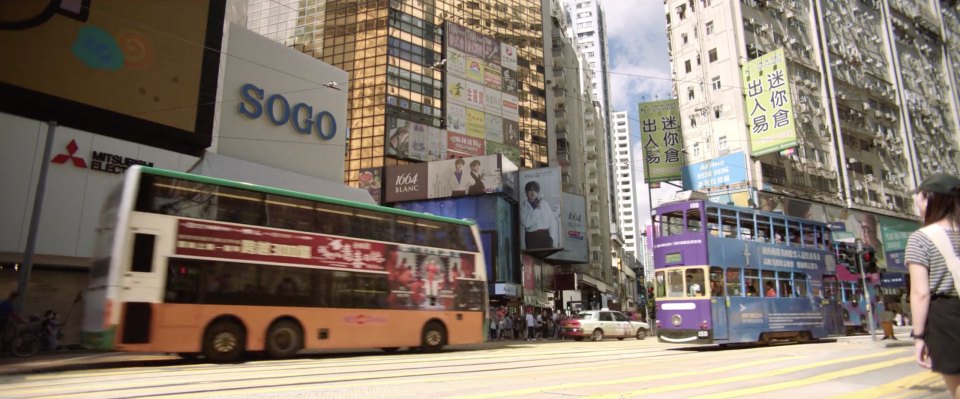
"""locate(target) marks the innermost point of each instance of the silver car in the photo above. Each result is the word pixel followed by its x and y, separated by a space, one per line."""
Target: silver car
pixel 598 324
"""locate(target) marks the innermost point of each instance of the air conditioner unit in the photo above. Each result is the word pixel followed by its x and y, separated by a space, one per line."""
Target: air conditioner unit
pixel 866 106
pixel 868 178
pixel 752 21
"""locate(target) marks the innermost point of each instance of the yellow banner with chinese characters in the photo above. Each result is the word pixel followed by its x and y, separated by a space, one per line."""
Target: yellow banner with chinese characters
pixel 661 140
pixel 769 106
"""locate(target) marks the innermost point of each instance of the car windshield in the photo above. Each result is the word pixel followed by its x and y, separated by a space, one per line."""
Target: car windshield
pixel 583 316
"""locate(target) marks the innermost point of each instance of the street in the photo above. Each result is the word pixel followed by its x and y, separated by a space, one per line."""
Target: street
pixel 541 369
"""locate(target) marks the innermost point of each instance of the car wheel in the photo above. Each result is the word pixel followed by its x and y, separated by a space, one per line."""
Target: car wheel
pixel 224 341
pixel 641 333
pixel 597 335
pixel 284 339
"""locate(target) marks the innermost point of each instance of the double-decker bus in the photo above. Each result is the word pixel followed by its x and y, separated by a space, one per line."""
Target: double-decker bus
pixel 202 266
pixel 727 274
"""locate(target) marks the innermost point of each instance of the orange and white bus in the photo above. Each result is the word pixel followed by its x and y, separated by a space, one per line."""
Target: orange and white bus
pixel 202 266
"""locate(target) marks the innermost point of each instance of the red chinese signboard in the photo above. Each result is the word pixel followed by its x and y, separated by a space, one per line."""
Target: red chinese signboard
pixel 218 240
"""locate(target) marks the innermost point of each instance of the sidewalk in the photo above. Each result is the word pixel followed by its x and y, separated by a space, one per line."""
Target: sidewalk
pixel 80 359
pixel 902 333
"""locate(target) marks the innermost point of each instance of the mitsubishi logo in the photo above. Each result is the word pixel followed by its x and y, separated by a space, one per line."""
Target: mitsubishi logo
pixel 71 150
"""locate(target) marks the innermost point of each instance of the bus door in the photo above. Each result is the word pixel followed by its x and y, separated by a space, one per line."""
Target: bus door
pixel 718 304
pixel 832 306
pixel 141 276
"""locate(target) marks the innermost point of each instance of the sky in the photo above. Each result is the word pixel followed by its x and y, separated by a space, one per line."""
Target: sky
pixel 639 70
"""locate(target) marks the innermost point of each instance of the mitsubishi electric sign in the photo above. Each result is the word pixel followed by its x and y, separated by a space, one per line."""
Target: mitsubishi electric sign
pixel 99 160
pixel 294 120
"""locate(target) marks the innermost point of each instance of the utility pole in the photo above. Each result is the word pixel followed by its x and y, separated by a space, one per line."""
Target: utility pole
pixel 866 292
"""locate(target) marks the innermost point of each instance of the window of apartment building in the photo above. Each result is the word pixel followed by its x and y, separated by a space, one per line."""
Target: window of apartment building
pixel 715 82
pixel 712 55
pixel 584 14
pixel 693 121
pixel 696 149
pixel 717 111
pixel 583 4
pixel 687 66
pixel 722 143
pixel 690 95
pixel 684 38
pixel 682 11
pixel 709 27
pixel 583 25
pixel 698 59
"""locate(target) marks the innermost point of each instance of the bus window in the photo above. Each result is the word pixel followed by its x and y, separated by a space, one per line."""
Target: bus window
pixel 769 283
pixel 786 288
pixel 751 278
pixel 693 221
pixel 713 221
pixel 240 206
pixel 372 225
pixel 800 284
pixel 733 282
pixel 672 223
pixel 661 285
pixel 289 213
pixel 334 219
pixel 716 281
pixel 728 223
pixel 695 282
pixel 675 284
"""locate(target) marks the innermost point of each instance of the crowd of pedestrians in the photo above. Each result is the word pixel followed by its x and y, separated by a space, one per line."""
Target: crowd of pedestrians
pixel 531 326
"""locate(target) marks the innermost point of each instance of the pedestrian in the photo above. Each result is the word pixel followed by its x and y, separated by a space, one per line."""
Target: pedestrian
pixel 493 325
pixel 507 328
pixel 931 256
pixel 516 325
pixel 531 325
pixel 9 319
pixel 886 322
pixel 50 328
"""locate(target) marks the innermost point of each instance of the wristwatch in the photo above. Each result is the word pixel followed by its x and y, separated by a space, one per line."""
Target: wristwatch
pixel 917 336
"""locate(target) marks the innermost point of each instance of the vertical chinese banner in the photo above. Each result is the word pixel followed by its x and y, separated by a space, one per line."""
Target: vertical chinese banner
pixel 769 106
pixel 662 143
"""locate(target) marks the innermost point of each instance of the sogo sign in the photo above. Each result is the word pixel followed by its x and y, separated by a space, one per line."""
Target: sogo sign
pixel 279 112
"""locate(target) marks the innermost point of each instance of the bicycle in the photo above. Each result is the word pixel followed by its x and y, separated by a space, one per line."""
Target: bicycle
pixel 27 340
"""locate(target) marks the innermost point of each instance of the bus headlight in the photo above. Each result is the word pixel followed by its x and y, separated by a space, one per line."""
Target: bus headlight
pixel 675 320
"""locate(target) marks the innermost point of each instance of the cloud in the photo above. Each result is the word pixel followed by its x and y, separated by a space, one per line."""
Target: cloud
pixel 637 41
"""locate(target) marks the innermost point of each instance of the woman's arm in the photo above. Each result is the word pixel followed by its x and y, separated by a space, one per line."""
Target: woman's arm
pixel 919 306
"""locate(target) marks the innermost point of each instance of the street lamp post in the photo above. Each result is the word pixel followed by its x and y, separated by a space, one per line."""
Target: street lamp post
pixel 866 292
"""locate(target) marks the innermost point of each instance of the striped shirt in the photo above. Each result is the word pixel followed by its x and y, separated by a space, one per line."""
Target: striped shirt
pixel 922 251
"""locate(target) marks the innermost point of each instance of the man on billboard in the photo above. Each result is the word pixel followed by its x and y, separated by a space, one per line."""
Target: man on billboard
pixel 476 186
pixel 541 225
pixel 458 181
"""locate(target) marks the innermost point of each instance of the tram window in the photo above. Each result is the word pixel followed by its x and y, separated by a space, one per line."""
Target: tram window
pixel 672 223
pixel 809 236
pixel 716 281
pixel 779 230
pixel 848 295
pixel 661 285
pixel 728 222
pixel 752 279
pixel 733 283
pixel 675 283
pixel 786 287
pixel 763 229
pixel 746 226
pixel 695 283
pixel 713 221
pixel 800 284
pixel 793 232
pixel 694 223
pixel 769 283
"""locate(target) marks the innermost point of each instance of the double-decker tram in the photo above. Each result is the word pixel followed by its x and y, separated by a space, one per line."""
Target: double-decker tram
pixel 197 265
pixel 727 274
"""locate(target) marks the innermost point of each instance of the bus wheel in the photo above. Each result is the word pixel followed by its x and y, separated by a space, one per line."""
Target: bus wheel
pixel 434 335
pixel 224 341
pixel 597 335
pixel 641 333
pixel 284 339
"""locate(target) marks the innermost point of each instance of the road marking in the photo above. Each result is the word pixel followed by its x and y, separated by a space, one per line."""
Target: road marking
pixel 899 387
pixel 700 384
pixel 561 387
pixel 807 381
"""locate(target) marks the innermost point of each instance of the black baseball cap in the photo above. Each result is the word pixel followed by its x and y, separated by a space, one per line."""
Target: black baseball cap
pixel 941 183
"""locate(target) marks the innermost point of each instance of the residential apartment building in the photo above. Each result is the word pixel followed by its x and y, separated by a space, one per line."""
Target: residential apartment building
pixel 624 184
pixel 873 90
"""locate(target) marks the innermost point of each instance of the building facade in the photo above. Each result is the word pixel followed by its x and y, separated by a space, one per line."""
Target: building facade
pixel 872 93
pixel 624 183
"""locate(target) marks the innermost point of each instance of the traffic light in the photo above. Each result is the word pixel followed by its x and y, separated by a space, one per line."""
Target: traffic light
pixel 847 256
pixel 869 261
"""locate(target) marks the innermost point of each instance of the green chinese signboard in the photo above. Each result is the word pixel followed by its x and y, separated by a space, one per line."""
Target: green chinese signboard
pixel 662 143
pixel 769 106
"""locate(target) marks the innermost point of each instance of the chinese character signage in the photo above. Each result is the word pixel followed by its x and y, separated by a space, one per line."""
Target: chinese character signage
pixel 726 170
pixel 894 234
pixel 769 108
pixel 661 140
pixel 481 101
